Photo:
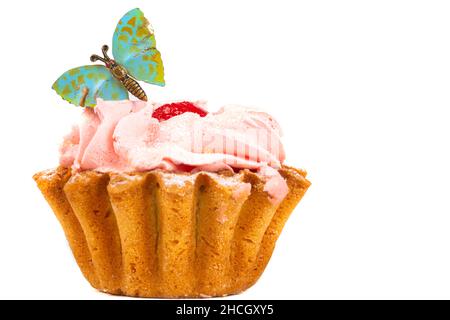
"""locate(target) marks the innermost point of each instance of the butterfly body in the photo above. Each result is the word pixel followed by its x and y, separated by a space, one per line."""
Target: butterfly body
pixel 121 74
pixel 135 58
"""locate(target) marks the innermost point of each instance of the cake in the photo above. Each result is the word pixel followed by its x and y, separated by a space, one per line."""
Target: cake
pixel 171 226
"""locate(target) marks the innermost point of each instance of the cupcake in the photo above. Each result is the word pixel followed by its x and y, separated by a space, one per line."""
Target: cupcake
pixel 167 200
pixel 181 206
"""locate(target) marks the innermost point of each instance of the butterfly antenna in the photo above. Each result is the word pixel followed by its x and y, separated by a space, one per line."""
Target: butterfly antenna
pixel 95 57
pixel 105 58
pixel 105 49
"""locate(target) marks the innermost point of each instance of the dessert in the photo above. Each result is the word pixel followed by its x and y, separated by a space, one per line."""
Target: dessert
pixel 168 200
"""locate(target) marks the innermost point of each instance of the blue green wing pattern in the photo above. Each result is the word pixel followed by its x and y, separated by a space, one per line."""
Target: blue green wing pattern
pixel 82 86
pixel 134 47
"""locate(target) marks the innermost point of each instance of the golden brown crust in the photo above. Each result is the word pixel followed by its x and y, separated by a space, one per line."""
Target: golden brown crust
pixel 51 184
pixel 169 235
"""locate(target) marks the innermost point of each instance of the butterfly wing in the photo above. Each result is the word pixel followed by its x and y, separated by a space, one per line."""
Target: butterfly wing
pixel 134 47
pixel 82 86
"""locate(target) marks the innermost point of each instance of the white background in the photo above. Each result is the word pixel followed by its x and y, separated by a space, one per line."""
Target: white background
pixel 361 89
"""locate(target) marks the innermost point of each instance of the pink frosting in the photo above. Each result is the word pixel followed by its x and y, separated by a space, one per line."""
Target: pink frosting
pixel 122 136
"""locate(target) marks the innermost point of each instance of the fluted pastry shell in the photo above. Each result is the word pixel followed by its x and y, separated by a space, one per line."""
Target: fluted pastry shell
pixel 159 234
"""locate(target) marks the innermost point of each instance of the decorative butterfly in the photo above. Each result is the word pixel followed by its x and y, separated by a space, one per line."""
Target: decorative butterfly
pixel 135 58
